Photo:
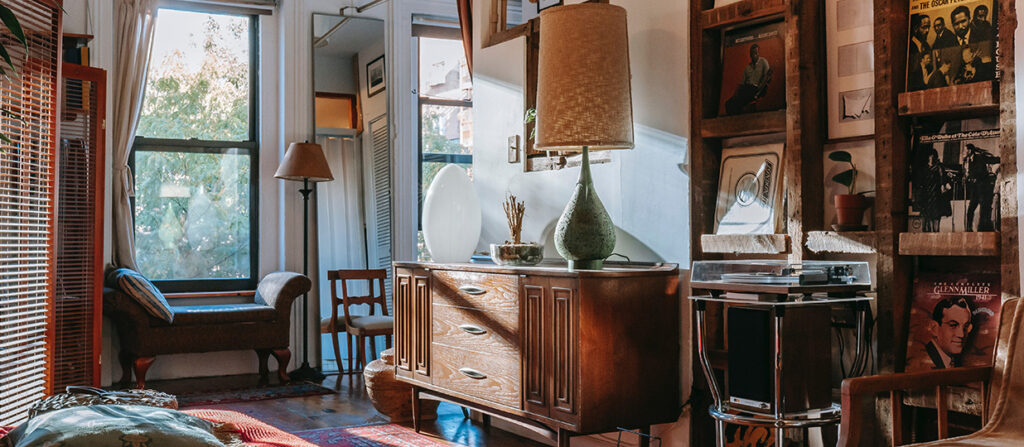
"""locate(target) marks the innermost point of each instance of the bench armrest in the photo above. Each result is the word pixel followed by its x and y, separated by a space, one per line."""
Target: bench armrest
pixel 279 289
pixel 856 391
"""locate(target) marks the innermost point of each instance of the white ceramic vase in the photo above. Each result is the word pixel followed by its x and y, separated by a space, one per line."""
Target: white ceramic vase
pixel 451 216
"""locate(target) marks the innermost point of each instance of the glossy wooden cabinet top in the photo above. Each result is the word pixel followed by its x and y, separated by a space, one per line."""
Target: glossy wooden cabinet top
pixel 611 270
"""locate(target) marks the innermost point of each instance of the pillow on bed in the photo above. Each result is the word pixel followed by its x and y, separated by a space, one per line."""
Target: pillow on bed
pixel 113 425
pixel 135 285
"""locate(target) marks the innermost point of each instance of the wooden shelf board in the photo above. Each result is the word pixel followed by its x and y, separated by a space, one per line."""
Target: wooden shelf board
pixel 745 124
pixel 975 98
pixel 950 244
pixel 740 12
pixel 772 244
pixel 854 242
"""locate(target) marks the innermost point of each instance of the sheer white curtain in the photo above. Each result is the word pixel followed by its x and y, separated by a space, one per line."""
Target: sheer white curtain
pixel 341 241
pixel 136 21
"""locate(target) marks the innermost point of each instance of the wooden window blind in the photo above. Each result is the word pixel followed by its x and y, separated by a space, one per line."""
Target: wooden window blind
pixel 79 298
pixel 27 208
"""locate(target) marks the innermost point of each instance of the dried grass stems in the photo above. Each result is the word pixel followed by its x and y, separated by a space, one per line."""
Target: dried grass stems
pixel 514 211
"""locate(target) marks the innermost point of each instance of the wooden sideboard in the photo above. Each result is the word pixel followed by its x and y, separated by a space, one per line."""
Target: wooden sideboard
pixel 570 353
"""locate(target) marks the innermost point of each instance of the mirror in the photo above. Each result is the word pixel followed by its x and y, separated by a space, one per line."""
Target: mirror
pixel 350 102
pixel 348 73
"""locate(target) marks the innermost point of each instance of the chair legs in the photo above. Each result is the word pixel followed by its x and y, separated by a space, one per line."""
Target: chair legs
pixel 337 351
pixel 283 356
pixel 361 349
pixel 264 355
pixel 141 365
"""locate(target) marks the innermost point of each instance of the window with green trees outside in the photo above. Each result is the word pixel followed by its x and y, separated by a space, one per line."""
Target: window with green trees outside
pixel 195 154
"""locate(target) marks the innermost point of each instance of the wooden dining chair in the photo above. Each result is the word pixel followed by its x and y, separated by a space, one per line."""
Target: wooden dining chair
pixel 360 326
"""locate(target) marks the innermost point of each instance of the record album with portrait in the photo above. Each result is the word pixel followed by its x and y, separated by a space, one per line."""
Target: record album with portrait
pixel 954 176
pixel 749 190
pixel 753 69
pixel 951 42
pixel 954 320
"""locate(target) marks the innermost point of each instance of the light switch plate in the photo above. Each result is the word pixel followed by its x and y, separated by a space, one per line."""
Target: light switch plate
pixel 513 149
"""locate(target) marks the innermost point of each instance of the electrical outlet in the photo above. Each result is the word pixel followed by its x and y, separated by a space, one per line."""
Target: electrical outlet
pixel 513 149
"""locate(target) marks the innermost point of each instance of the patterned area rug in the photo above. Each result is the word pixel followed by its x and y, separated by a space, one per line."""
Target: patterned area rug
pixel 301 389
pixel 383 435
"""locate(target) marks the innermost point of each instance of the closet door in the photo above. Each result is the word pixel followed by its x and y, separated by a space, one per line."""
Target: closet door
pixel 79 299
pixel 377 166
pixel 27 206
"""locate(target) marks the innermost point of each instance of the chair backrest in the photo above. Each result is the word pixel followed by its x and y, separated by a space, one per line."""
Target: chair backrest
pixel 1005 373
pixel 345 299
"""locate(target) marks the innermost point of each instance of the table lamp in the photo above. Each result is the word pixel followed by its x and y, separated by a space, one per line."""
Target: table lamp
pixel 305 161
pixel 584 103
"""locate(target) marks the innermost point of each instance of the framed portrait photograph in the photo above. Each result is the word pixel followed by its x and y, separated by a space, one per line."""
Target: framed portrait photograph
pixel 375 78
pixel 545 4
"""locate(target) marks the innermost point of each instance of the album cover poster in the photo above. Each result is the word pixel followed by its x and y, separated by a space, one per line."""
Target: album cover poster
pixel 954 176
pixel 753 69
pixel 951 42
pixel 749 190
pixel 954 320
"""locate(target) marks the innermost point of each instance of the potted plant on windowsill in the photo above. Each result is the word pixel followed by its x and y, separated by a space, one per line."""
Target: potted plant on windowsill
pixel 515 252
pixel 850 207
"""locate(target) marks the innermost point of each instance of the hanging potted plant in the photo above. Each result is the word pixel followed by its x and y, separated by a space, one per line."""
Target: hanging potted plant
pixel 849 207
pixel 515 252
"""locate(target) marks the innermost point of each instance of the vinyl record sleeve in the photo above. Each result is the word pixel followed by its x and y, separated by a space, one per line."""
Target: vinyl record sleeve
pixel 955 176
pixel 951 42
pixel 749 190
pixel 954 320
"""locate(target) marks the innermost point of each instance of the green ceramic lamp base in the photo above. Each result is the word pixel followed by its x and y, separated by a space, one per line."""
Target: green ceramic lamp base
pixel 583 264
pixel 585 235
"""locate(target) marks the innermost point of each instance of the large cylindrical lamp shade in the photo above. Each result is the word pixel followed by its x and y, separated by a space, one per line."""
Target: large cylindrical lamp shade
pixel 583 93
pixel 304 161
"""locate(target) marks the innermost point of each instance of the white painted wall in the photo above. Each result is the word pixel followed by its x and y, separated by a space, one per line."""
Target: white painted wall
pixel 646 190
pixel 334 74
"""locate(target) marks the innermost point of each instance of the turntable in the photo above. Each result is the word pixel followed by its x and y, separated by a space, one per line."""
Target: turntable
pixel 766 279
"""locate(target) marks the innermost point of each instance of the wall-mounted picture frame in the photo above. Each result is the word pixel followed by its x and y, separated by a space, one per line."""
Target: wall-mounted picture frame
pixel 849 40
pixel 375 76
pixel 545 4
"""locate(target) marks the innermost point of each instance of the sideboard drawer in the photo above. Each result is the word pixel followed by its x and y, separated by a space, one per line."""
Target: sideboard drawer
pixel 491 291
pixel 492 378
pixel 489 333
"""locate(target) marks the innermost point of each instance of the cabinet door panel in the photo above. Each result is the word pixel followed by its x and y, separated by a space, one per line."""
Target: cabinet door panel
pixel 421 325
pixel 564 318
pixel 535 378
pixel 403 321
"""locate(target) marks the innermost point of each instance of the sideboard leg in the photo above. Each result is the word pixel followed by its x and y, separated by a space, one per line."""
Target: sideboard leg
pixel 487 421
pixel 645 441
pixel 563 437
pixel 416 409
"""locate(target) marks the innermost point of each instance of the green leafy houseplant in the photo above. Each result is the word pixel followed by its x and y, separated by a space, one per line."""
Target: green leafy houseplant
pixel 850 207
pixel 847 178
pixel 11 22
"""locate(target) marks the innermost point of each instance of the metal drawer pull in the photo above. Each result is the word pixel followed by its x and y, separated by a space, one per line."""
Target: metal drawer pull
pixel 475 330
pixel 473 290
pixel 472 373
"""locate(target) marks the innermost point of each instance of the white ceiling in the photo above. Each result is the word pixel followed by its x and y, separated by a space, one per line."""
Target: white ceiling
pixel 352 37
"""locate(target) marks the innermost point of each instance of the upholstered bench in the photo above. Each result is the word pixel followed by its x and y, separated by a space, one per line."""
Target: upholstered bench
pixel 261 325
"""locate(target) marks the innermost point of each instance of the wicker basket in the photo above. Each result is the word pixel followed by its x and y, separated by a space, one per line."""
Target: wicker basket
pixel 389 396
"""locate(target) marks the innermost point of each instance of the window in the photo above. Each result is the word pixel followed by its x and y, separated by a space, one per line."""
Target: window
pixel 195 153
pixel 445 93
